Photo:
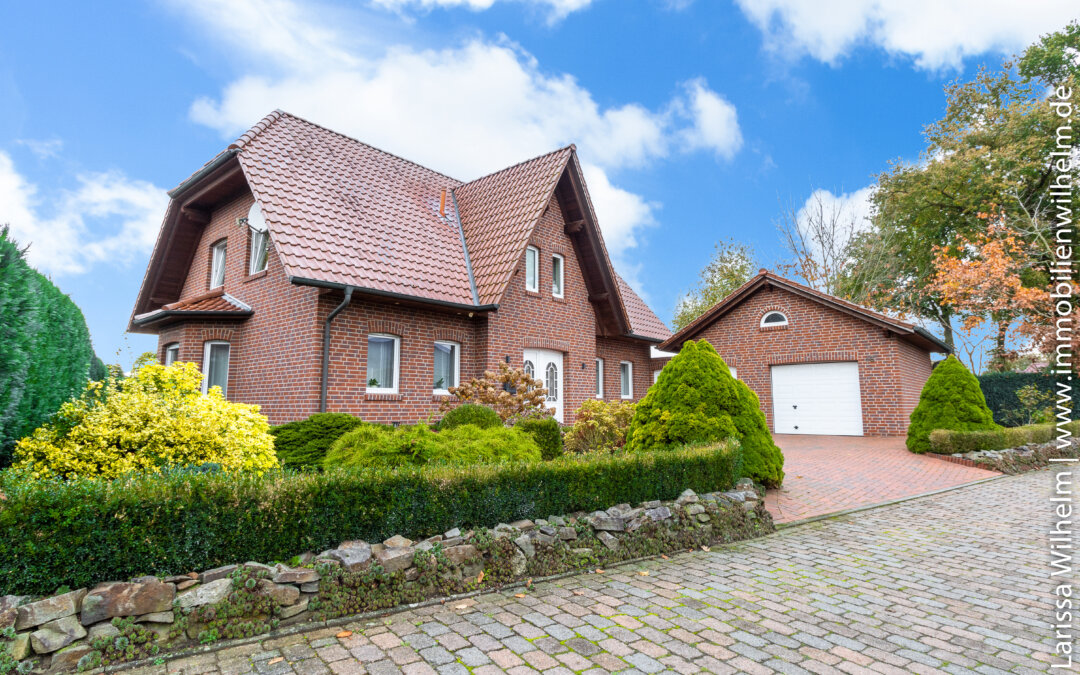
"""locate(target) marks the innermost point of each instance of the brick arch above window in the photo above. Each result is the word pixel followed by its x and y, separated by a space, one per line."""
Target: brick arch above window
pixel 389 327
pixel 541 343
pixel 450 335
pixel 217 333
pixel 779 326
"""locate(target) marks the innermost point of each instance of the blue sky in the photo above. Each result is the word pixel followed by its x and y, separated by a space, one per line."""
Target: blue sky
pixel 696 120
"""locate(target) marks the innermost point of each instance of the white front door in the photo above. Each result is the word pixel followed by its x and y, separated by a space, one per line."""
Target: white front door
pixel 546 366
pixel 817 398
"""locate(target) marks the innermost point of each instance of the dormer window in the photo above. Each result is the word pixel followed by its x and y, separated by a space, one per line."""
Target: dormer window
pixel 773 319
pixel 260 240
pixel 217 264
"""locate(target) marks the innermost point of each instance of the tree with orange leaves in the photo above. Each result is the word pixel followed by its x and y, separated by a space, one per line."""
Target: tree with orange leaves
pixel 982 278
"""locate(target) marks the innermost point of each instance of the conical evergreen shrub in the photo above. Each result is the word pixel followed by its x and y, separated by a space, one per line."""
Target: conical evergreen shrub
pixel 951 399
pixel 696 400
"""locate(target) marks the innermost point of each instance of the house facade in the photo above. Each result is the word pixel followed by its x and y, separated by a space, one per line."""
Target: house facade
pixel 306 271
pixel 819 364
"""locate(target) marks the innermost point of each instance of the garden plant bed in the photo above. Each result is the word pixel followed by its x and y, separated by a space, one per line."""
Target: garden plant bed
pixel 119 622
pixel 1022 459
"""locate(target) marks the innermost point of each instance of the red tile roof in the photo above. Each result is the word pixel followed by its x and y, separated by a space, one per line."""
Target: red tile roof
pixel 643 321
pixel 216 303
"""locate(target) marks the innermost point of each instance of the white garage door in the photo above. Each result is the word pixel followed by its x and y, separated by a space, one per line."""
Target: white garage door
pixel 817 398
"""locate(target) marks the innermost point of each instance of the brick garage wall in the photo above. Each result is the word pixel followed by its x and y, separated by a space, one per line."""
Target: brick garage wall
pixel 816 334
pixel 418 329
pixel 274 354
pixel 915 367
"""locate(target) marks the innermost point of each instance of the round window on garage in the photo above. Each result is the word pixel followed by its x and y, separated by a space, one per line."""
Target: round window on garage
pixel 773 319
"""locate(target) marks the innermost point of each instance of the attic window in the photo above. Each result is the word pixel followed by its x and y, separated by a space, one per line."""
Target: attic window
pixel 773 319
pixel 260 240
pixel 532 277
pixel 217 264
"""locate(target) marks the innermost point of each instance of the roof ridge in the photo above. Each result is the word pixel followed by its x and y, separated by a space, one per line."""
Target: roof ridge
pixel 256 129
pixel 277 114
pixel 837 298
pixel 571 147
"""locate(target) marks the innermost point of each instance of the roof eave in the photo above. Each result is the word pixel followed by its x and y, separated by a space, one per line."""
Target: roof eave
pixel 305 281
pixel 160 315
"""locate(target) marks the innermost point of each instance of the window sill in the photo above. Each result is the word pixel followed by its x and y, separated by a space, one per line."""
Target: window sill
pixel 385 396
pixel 559 298
pixel 253 277
pixel 535 294
pixel 772 328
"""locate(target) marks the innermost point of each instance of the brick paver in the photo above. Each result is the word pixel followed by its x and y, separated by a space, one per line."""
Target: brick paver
pixel 826 474
pixel 951 583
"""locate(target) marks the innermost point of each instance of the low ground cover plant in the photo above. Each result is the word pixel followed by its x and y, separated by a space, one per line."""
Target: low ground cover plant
pixel 82 531
pixel 696 400
pixel 372 445
pixel 158 419
pixel 952 400
pixel 304 443
pixel 599 426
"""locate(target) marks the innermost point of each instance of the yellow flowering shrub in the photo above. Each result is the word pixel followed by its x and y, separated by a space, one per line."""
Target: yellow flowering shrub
pixel 158 418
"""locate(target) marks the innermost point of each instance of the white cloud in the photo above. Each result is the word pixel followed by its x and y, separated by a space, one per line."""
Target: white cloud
pixel 556 9
pixel 715 123
pixel 108 218
pixel 42 148
pixel 476 108
pixel 935 34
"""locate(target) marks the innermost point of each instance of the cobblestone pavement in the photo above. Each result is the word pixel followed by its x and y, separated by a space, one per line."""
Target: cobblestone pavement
pixel 955 583
pixel 826 474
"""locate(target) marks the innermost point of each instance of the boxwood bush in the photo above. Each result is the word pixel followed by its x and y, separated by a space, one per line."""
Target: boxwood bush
pixel 471 413
pixel 370 445
pixel 305 442
pixel 546 432
pixel 81 532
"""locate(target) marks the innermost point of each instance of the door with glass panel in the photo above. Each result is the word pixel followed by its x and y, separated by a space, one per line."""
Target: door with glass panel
pixel 547 366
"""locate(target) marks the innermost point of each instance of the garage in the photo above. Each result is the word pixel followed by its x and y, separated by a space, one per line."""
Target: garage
pixel 817 398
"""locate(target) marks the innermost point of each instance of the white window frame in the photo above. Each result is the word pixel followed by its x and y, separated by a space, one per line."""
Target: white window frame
pixel 223 244
pixel 561 276
pixel 257 227
pixel 172 346
pixel 445 391
pixel 734 372
pixel 206 366
pixel 655 376
pixel 532 253
pixel 773 324
pixel 599 378
pixel 397 364
pixel 628 380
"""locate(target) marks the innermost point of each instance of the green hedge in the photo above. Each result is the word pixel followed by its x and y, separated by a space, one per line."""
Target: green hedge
pixel 547 434
pixel 1000 389
pixel 945 442
pixel 45 351
pixel 83 532
pixel 305 442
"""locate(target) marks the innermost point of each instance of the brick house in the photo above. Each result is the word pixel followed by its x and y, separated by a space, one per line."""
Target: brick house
pixel 819 364
pixel 305 271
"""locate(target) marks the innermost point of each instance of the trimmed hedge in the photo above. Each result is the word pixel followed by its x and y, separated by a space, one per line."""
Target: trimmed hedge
pixel 1000 389
pixel 370 445
pixel 45 351
pixel 945 442
pixel 305 442
pixel 547 434
pixel 81 532
pixel 470 413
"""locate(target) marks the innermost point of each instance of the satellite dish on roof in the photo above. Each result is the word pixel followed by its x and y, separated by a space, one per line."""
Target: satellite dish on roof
pixel 255 218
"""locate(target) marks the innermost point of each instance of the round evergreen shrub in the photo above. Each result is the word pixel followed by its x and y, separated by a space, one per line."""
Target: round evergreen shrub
pixel 547 434
pixel 305 442
pixel 471 413
pixel 370 445
pixel 696 400
pixel 951 399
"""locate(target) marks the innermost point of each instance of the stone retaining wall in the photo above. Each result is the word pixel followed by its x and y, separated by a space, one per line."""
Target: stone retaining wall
pixel 122 621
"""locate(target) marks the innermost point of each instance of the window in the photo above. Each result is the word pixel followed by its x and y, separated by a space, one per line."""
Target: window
pixel 260 240
pixel 216 366
pixel 626 379
pixel 599 378
pixel 447 364
pixel 530 369
pixel 557 275
pixel 551 382
pixel 217 264
pixel 532 276
pixel 734 372
pixel 383 359
pixel 172 353
pixel 655 376
pixel 773 319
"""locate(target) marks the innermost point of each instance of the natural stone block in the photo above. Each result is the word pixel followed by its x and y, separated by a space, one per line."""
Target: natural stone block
pixel 695 509
pixel 156 617
pixel 293 610
pixel 43 611
pixel 609 540
pixel 57 634
pixel 687 497
pixel 353 555
pixel 526 546
pixel 283 574
pixel 607 524
pixel 126 599
pixel 523 525
pixel 206 594
pixel 217 573
pixel 567 533
pixel 282 594
pixel 20 648
pixel 452 533
pixel 397 541
pixel 659 513
pixel 395 559
pixel 312 587
pixel 519 564
pixel 102 630
pixel 459 555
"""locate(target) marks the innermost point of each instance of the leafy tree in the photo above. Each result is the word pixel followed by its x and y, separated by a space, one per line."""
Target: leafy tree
pixel 731 265
pixel 951 399
pixel 1054 58
pixel 696 400
pixel 45 350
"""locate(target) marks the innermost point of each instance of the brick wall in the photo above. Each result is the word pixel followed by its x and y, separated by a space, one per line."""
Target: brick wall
pixel 814 334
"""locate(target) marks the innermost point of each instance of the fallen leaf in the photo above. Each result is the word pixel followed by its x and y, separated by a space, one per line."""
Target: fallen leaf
pixel 344 634
pixel 480 577
pixel 705 548
pixel 599 571
pixel 519 595
pixel 272 661
pixel 528 584
pixel 579 592
pixel 461 606
pixel 664 557
pixel 644 573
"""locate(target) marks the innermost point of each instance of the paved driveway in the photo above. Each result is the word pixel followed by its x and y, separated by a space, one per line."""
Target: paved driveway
pixel 957 583
pixel 825 474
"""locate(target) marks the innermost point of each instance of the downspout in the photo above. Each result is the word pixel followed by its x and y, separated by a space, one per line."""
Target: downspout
pixel 326 346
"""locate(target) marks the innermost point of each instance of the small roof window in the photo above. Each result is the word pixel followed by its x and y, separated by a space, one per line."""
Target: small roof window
pixel 774 319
